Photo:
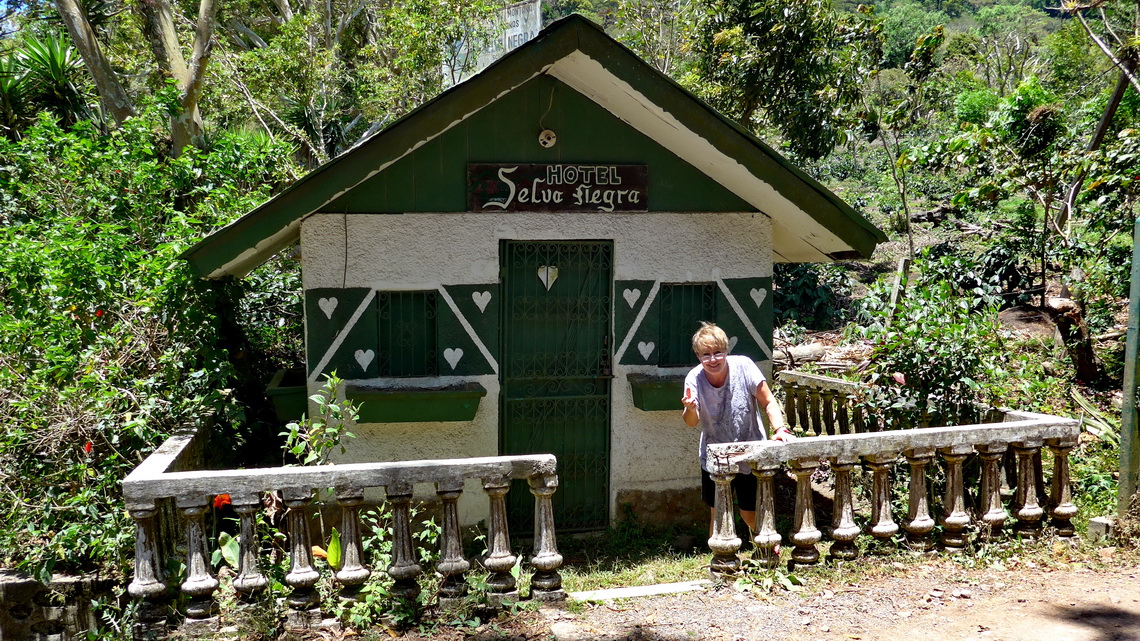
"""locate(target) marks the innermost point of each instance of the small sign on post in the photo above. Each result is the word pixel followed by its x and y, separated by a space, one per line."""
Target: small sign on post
pixel 557 187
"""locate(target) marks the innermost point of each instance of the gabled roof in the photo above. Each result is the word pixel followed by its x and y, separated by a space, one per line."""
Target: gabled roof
pixel 809 223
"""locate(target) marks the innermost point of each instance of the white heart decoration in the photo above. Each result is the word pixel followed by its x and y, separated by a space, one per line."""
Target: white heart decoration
pixel 646 349
pixel 631 296
pixel 547 274
pixel 328 306
pixel 452 356
pixel 481 299
pixel 758 295
pixel 732 341
pixel 364 357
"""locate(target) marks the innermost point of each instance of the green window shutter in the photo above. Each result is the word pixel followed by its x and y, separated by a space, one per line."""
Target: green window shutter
pixel 407 333
pixel 683 307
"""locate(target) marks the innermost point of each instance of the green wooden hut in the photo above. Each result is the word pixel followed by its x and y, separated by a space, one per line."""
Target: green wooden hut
pixel 518 265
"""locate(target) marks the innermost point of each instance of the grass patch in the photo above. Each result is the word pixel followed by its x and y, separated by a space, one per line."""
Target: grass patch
pixel 631 554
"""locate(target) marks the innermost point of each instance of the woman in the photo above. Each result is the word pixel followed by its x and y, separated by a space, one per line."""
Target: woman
pixel 723 395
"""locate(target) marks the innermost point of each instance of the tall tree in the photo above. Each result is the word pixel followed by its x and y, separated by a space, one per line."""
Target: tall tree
pixel 1123 49
pixel 659 31
pixel 797 65
pixel 900 116
pixel 158 25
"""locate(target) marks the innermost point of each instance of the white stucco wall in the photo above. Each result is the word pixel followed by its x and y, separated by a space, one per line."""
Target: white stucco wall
pixel 649 450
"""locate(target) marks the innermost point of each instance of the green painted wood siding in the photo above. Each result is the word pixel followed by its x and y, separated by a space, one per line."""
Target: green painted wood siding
pixel 433 178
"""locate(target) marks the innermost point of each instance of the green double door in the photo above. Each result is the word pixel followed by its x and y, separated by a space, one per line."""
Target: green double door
pixel 556 372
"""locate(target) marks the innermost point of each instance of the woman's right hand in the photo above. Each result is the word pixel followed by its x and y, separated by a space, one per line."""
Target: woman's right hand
pixel 689 400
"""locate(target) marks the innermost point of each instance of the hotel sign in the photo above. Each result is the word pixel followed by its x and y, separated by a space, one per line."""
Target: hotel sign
pixel 549 187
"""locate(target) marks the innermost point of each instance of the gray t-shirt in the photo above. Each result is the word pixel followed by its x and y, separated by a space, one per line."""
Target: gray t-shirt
pixel 729 413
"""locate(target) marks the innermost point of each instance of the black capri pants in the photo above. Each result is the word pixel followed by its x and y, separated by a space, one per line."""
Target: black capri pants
pixel 743 486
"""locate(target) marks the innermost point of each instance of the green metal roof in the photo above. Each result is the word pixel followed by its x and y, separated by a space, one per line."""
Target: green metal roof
pixel 809 222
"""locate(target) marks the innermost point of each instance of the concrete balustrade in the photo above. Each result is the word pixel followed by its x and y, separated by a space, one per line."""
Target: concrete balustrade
pixel 1026 433
pixel 164 477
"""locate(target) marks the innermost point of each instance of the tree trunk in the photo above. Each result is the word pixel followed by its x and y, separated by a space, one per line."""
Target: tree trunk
pixel 1071 323
pixel 1066 212
pixel 112 94
pixel 158 25
pixel 187 128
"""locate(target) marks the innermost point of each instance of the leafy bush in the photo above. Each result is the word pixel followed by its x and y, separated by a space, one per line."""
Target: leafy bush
pixel 933 354
pixel 814 296
pixel 975 106
pixel 107 342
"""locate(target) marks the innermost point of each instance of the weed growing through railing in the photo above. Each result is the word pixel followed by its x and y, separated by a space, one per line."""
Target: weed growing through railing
pixel 754 577
pixel 313 440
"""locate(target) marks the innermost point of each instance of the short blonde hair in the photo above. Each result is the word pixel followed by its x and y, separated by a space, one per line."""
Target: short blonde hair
pixel 709 335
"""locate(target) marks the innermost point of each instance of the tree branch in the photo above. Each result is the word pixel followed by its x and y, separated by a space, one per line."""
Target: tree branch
pixel 1107 51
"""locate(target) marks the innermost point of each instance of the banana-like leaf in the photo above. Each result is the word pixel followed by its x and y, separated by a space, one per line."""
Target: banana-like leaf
pixel 335 558
pixel 230 548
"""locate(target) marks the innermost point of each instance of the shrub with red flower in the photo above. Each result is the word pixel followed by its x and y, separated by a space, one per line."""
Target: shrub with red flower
pixel 221 501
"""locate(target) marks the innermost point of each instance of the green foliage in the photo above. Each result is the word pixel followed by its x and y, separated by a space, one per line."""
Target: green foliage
pixel 756 578
pixel 40 73
pixel 376 602
pixel 941 345
pixel 903 24
pixel 1071 58
pixel 107 342
pixel 1028 120
pixel 746 67
pixel 659 32
pixel 975 106
pixel 814 296
pixel 313 441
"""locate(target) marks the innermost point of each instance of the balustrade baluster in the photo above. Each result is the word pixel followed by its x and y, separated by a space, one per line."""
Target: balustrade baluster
pixel 1039 481
pixel 200 583
pixel 955 519
pixel 843 528
pixel 451 565
pixel 352 573
pixel 993 512
pixel 1061 496
pixel 816 428
pixel 919 524
pixel 806 535
pixel 790 404
pixel 765 538
pixel 724 543
pixel 499 560
pixel 147 585
pixel 883 527
pixel 802 408
pixel 829 412
pixel 844 420
pixel 404 570
pixel 249 580
pixel 147 582
pixel 302 577
pixel 1029 510
pixel 546 584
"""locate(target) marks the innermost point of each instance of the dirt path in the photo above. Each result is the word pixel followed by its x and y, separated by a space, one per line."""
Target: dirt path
pixel 936 600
